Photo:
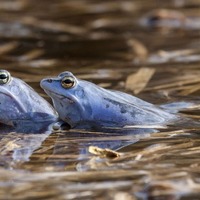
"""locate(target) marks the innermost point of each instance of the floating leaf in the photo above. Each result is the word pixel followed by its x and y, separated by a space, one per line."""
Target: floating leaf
pixel 108 153
pixel 137 82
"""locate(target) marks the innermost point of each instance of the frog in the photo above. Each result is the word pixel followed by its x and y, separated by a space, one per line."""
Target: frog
pixel 85 105
pixel 165 19
pixel 22 108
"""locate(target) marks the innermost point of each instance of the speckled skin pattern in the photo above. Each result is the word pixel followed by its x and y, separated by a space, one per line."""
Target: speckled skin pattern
pixel 24 109
pixel 86 105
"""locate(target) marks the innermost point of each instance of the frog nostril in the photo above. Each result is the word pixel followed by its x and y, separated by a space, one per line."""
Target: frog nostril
pixel 49 80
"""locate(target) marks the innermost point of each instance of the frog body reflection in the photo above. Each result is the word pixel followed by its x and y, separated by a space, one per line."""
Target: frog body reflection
pixel 22 109
pixel 83 104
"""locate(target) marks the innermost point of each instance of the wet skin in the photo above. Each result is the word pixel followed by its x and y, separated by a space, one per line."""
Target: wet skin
pixel 83 104
pixel 21 108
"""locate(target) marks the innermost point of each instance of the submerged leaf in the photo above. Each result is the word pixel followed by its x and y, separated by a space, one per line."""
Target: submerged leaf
pixel 137 82
pixel 108 153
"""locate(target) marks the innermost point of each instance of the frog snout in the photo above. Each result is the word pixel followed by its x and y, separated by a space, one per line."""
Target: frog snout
pixel 46 83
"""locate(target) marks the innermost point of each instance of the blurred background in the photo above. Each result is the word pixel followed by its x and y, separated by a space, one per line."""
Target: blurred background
pixel 100 41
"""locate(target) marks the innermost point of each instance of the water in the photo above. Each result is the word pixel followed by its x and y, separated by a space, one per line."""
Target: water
pixel 105 42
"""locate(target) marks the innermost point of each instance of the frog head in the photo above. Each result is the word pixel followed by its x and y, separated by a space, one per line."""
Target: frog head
pixel 69 96
pixel 20 103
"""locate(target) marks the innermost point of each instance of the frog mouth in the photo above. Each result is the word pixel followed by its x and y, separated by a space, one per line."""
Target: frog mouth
pixel 18 104
pixel 60 96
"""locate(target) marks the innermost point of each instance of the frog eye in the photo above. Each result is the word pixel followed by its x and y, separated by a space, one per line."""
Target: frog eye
pixel 4 77
pixel 68 82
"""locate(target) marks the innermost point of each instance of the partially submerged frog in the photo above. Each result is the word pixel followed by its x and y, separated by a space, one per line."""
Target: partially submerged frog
pixel 83 104
pixel 21 108
pixel 170 19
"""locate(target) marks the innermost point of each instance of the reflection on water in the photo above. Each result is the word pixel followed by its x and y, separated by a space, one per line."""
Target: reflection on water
pixel 105 42
pixel 19 147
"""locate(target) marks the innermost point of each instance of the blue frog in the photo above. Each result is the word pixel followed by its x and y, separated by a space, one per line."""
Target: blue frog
pixel 21 108
pixel 85 105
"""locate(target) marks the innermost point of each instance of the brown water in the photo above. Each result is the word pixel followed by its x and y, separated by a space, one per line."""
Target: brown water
pixel 104 42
